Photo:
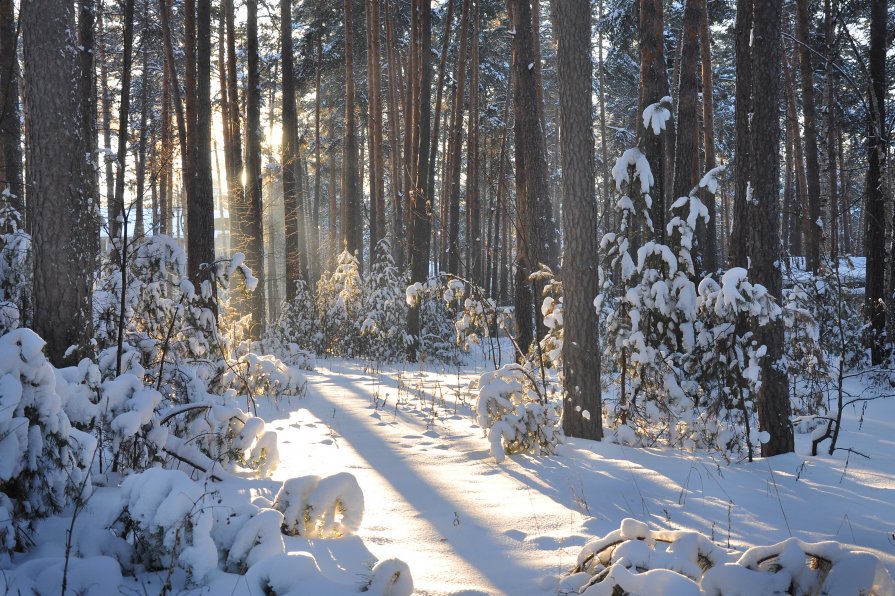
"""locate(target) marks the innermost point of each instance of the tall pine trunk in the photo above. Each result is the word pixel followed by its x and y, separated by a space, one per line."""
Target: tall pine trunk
pixel 352 223
pixel 296 259
pixel 58 178
pixel 581 346
pixel 420 210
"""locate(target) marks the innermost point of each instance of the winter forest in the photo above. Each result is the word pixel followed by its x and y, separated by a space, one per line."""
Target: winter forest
pixel 323 297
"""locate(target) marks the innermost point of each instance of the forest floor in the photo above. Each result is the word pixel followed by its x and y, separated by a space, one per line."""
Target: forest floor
pixel 436 499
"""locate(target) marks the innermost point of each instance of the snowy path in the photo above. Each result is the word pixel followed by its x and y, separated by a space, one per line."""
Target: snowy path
pixel 436 499
pixel 433 495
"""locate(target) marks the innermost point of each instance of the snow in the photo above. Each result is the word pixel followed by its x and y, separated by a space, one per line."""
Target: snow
pixel 397 465
pixel 656 115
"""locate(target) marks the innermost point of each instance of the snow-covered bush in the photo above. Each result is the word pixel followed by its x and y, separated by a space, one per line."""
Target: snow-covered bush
pixel 317 507
pixel 637 560
pixel 652 308
pixel 340 307
pixel 298 324
pixel 517 413
pixel 15 270
pixel 552 311
pixel 254 374
pixel 726 364
pixel 384 327
pixel 438 299
pixel 166 316
pixel 216 432
pixel 170 518
pixel 804 355
pixel 44 462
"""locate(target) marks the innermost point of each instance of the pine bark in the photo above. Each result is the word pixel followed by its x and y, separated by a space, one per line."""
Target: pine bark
pixel 814 231
pixel 537 235
pixel 200 204
pixel 760 207
pixel 252 244
pixel 296 259
pixel 653 87
pixel 710 250
pixel 377 161
pixel 352 224
pixel 117 215
pixel 10 127
pixel 581 346
pixel 455 145
pixel 473 200
pixel 61 229
pixel 875 302
pixel 420 206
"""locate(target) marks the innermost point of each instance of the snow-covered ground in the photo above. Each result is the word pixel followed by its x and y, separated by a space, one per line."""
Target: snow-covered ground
pixel 436 499
pixel 464 524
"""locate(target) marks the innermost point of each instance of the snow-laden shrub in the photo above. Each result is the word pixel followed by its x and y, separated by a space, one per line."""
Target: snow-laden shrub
pixel 166 316
pixel 726 364
pixel 254 374
pixel 218 432
pixel 298 324
pixel 44 462
pixel 552 311
pixel 340 307
pixel 390 577
pixel 438 299
pixel 15 270
pixel 514 409
pixel 170 518
pixel 317 507
pixel 384 327
pixel 121 412
pixel 652 310
pixel 246 534
pixel 173 521
pixel 637 560
pixel 804 355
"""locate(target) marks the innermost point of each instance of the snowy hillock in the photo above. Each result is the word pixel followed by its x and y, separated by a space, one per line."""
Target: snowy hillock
pixel 637 560
pixel 105 480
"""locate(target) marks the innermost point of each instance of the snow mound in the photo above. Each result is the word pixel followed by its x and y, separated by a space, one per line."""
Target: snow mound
pixel 637 560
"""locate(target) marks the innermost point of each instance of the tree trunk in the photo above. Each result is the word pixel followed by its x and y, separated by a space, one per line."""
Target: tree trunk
pixel 106 107
pixel 352 223
pixel 874 215
pixel 58 178
pixel 87 92
pixel 253 241
pixel 10 128
pixel 377 162
pixel 455 145
pixel 200 204
pixel 814 231
pixel 829 33
pixel 316 235
pixel 143 130
pixel 117 215
pixel 420 207
pixel 761 208
pixel 439 92
pixel 236 190
pixel 473 202
pixel 394 119
pixel 686 152
pixel 710 248
pixel 296 260
pixel 738 251
pixel 581 346
pixel 537 236
pixel 653 87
